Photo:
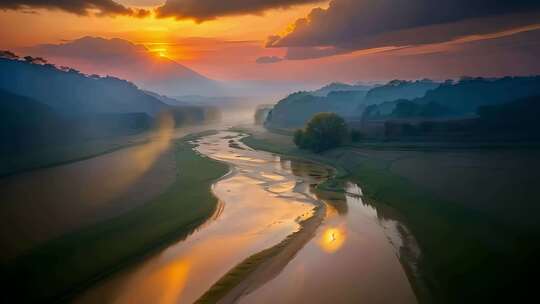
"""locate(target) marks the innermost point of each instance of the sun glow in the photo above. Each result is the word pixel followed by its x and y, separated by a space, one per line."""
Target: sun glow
pixel 161 52
pixel 332 239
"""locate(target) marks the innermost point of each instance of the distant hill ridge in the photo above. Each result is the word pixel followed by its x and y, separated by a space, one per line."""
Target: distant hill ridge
pixel 459 99
pixel 338 87
pixel 68 91
pixel 400 89
pixel 347 100
pixel 126 60
pixel 43 106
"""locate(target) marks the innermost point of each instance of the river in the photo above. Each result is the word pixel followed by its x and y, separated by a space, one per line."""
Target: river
pixel 354 255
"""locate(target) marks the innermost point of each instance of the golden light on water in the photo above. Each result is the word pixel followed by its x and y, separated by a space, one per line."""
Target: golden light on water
pixel 332 239
pixel 162 286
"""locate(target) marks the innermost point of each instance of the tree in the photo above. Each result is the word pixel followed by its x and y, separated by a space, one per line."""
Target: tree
pixel 323 132
pixel 406 108
pixel 356 136
pixel 8 55
pixel 35 60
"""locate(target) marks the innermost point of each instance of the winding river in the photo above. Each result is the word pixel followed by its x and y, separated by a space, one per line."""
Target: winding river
pixel 352 255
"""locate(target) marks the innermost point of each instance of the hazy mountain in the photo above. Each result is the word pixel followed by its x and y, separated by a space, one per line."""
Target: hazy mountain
pixel 459 99
pixel 512 121
pixel 338 87
pixel 21 117
pixel 296 109
pixel 123 59
pixel 73 93
pixel 43 107
pixel 346 100
pixel 400 89
pixel 468 94
pixel 168 100
pixel 27 124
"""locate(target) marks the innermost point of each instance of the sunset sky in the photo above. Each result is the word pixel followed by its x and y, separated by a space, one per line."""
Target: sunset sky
pixel 299 40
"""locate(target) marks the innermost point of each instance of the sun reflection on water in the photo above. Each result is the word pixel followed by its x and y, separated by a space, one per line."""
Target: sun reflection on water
pixel 332 239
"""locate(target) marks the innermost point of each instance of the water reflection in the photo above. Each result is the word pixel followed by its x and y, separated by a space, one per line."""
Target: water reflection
pixel 354 257
pixel 351 258
pixel 262 203
pixel 332 238
pixel 336 201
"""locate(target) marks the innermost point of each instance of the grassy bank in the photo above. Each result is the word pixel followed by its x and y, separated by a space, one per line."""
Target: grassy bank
pixel 63 154
pixel 470 253
pixel 61 267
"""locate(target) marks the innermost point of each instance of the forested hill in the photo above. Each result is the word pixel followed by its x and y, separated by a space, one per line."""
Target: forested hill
pixel 68 91
pixel 459 99
pixel 338 87
pixel 470 93
pixel 45 109
pixel 346 100
pixel 400 89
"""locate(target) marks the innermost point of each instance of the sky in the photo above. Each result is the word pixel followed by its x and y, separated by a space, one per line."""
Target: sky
pixel 303 41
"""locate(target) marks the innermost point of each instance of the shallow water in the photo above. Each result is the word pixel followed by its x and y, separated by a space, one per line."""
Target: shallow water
pixel 354 256
pixel 258 208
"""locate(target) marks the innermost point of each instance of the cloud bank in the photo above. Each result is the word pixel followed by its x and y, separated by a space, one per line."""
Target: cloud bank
pixel 203 10
pixel 79 7
pixel 350 25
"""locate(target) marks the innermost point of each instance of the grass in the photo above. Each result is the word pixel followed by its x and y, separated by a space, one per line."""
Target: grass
pixel 468 256
pixel 61 267
pixel 57 155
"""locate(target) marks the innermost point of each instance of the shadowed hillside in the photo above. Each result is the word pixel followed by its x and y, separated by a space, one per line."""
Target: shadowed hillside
pixel 53 111
pixel 68 91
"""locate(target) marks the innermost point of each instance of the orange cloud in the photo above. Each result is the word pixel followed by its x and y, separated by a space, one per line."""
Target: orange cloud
pixel 203 10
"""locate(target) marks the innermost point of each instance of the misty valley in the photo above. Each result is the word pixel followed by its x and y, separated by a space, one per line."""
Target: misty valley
pixel 339 151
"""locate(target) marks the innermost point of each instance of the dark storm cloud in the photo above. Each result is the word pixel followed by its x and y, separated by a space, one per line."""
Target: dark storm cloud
pixel 79 7
pixel 201 10
pixel 349 25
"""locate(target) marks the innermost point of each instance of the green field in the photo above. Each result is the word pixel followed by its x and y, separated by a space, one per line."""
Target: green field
pixel 59 268
pixel 474 213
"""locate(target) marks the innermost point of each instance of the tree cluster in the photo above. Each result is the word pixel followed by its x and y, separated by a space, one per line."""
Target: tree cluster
pixel 323 132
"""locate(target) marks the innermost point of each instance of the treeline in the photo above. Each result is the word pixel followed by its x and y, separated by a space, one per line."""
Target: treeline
pixel 349 101
pixel 43 105
pixel 423 109
pixel 458 99
pixel 515 120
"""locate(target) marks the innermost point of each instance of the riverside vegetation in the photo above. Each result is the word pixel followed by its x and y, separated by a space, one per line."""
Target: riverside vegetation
pixel 60 267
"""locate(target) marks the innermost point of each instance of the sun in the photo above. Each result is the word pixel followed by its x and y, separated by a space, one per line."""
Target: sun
pixel 160 52
pixel 332 239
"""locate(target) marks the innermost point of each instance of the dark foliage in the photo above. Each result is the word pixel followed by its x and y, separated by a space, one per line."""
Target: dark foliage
pixel 516 120
pixel 356 136
pixel 323 132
